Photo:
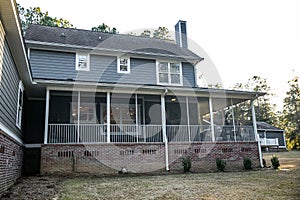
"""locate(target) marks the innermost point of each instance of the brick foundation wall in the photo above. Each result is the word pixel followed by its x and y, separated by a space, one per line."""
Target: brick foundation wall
pixel 102 158
pixel 11 159
pixel 143 158
pixel 204 155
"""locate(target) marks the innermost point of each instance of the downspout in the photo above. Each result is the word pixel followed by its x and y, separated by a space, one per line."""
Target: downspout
pixel 255 133
pixel 163 119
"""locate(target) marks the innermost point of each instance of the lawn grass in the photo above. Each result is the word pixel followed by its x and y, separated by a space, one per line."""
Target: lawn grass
pixel 262 184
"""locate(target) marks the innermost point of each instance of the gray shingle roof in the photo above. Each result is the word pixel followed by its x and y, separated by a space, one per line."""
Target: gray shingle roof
pixel 115 42
pixel 264 125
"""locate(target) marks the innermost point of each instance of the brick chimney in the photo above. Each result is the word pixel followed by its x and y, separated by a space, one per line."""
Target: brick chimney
pixel 180 34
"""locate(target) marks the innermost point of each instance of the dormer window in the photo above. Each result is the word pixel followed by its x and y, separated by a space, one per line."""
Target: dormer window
pixel 82 62
pixel 169 73
pixel 124 65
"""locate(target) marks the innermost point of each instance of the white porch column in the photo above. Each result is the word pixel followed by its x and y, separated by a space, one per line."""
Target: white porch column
pixel 46 116
pixel 144 119
pixel 164 130
pixel 233 120
pixel 136 118
pixel 188 116
pixel 78 116
pixel 255 132
pixel 108 117
pixel 211 120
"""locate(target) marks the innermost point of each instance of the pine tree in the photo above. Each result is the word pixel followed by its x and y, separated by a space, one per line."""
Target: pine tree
pixel 290 118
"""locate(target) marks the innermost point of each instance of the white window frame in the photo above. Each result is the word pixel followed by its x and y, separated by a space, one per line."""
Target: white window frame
pixel 119 65
pixel 169 72
pixel 20 104
pixel 87 61
pixel 2 38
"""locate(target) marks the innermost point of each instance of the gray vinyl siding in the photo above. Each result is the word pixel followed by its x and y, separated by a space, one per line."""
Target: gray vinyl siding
pixel 61 66
pixel 9 85
pixel 142 71
pixel 188 74
pixel 52 65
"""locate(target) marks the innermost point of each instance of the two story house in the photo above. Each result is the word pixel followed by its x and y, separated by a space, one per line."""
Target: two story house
pixel 101 102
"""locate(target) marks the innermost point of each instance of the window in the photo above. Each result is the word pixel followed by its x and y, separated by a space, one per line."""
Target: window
pixel 2 33
pixel 20 105
pixel 87 113
pixel 123 65
pixel 169 73
pixel 121 114
pixel 82 62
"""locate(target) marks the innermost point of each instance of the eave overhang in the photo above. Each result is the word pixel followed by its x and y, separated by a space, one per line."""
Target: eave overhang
pixel 148 89
pixel 11 23
pixel 97 50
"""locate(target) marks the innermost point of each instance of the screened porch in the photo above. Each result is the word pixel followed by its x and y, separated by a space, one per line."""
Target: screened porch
pixel 88 117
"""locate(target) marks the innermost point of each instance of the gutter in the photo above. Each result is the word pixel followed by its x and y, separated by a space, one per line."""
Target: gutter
pixel 80 85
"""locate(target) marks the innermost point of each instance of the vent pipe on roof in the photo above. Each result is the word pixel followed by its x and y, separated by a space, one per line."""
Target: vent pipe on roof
pixel 180 34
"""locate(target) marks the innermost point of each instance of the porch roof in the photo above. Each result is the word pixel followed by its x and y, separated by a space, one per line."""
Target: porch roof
pixel 237 95
pixel 264 126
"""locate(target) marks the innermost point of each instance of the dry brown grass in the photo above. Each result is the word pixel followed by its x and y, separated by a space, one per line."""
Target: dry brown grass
pixel 262 184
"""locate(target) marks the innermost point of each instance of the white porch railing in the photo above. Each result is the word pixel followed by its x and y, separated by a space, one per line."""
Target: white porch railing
pixel 191 133
pixel 120 133
pixel 62 133
pixel 97 133
pixel 237 133
pixel 269 142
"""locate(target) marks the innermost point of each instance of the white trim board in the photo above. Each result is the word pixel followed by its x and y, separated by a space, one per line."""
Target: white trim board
pixel 11 133
pixel 33 145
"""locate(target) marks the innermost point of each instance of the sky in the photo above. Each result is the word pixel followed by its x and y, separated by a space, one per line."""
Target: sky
pixel 238 39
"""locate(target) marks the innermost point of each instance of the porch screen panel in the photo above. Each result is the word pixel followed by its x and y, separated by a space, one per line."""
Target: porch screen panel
pixel 152 113
pixel 204 115
pixel 59 107
pixel 90 130
pixel 221 132
pixel 243 121
pixel 60 127
pixel 204 129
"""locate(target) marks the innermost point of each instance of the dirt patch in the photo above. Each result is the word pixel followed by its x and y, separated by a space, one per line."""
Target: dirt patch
pixel 34 187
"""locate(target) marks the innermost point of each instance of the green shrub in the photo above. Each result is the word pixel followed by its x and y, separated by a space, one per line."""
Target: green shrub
pixel 221 164
pixel 186 163
pixel 275 162
pixel 247 163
